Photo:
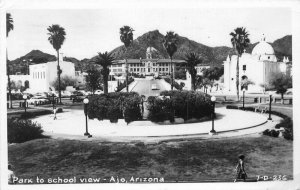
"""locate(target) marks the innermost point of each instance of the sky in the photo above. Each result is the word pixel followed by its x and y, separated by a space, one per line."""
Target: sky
pixel 97 30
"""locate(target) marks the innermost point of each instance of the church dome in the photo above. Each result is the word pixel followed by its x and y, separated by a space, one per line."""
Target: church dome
pixel 263 48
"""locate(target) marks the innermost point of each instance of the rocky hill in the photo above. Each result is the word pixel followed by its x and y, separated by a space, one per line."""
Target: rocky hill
pixel 210 55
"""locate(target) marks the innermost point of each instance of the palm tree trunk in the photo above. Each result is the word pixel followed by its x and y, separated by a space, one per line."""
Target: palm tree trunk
pixel 172 75
pixel 105 81
pixel 193 82
pixel 126 70
pixel 237 77
pixel 58 73
pixel 9 83
pixel 282 100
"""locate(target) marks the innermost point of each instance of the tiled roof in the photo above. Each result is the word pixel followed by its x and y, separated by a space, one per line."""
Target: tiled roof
pixel 145 60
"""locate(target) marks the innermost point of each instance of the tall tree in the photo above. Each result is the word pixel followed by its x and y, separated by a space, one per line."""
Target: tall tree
pixel 93 79
pixel 9 27
pixel 192 60
pixel 281 83
pixel 126 36
pixel 105 60
pixel 239 40
pixel 170 44
pixel 57 36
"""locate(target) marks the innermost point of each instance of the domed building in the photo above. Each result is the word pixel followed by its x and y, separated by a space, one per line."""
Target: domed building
pixel 257 67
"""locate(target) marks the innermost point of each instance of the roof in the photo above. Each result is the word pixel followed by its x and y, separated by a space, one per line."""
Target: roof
pixel 151 60
pixel 263 48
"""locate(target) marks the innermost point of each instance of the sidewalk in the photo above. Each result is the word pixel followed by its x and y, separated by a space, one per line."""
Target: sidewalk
pixel 230 123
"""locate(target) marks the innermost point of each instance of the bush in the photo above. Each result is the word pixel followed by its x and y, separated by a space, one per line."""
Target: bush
pixel 183 104
pixel 176 85
pixel 231 107
pixel 271 133
pixel 132 110
pixel 112 106
pixel 19 130
pixel 288 134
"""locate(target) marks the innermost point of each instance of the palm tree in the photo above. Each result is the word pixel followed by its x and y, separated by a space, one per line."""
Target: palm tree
pixel 170 44
pixel 239 40
pixel 104 60
pixel 9 27
pixel 126 36
pixel 192 60
pixel 56 38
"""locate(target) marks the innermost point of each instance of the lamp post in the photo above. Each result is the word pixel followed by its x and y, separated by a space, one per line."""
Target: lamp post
pixel 25 101
pixel 85 102
pixel 244 98
pixel 270 105
pixel 213 100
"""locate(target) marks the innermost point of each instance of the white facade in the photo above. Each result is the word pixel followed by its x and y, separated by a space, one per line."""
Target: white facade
pixel 148 66
pixel 42 75
pixel 256 67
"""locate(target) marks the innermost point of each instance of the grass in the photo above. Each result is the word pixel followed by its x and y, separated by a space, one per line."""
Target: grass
pixel 175 161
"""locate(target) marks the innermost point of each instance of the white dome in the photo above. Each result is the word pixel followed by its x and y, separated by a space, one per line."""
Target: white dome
pixel 263 48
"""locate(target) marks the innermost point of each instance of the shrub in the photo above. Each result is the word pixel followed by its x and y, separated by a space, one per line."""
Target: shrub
pixel 176 85
pixel 183 104
pixel 19 130
pixel 35 113
pixel 288 134
pixel 231 107
pixel 159 110
pixel 271 133
pixel 113 105
pixel 132 110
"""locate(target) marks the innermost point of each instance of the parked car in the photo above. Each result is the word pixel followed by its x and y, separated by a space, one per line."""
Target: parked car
pixel 98 92
pixel 79 98
pixel 66 94
pixel 38 100
pixel 154 87
pixel 76 93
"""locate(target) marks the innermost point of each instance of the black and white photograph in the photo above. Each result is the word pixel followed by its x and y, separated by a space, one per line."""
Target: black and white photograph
pixel 149 92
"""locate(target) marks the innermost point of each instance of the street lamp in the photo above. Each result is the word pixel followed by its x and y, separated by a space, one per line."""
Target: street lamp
pixel 244 98
pixel 213 100
pixel 85 102
pixel 270 105
pixel 25 99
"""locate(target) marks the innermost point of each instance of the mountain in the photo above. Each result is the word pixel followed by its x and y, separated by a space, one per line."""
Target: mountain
pixel 209 55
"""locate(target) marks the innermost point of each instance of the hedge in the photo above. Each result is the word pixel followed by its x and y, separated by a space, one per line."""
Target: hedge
pixel 19 130
pixel 182 104
pixel 271 133
pixel 286 123
pixel 176 85
pixel 114 106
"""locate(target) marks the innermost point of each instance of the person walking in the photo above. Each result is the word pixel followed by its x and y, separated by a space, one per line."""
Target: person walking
pixel 240 169
pixel 54 112
pixel 11 175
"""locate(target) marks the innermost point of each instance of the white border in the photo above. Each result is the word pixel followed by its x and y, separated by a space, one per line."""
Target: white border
pixel 153 4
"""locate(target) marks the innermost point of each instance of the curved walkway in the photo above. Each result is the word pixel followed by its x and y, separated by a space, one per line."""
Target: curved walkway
pixel 71 123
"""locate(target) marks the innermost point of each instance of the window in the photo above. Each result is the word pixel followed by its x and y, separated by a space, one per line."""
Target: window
pixel 138 70
pixel 244 67
pixel 38 75
pixel 159 69
pixel 44 74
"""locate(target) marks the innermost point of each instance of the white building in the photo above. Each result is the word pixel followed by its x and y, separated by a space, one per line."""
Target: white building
pixel 148 66
pixel 256 67
pixel 42 75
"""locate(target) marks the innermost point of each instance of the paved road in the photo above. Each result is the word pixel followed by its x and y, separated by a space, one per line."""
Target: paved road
pixel 143 87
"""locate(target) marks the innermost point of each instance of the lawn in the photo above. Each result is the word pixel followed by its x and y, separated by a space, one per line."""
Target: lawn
pixel 194 160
